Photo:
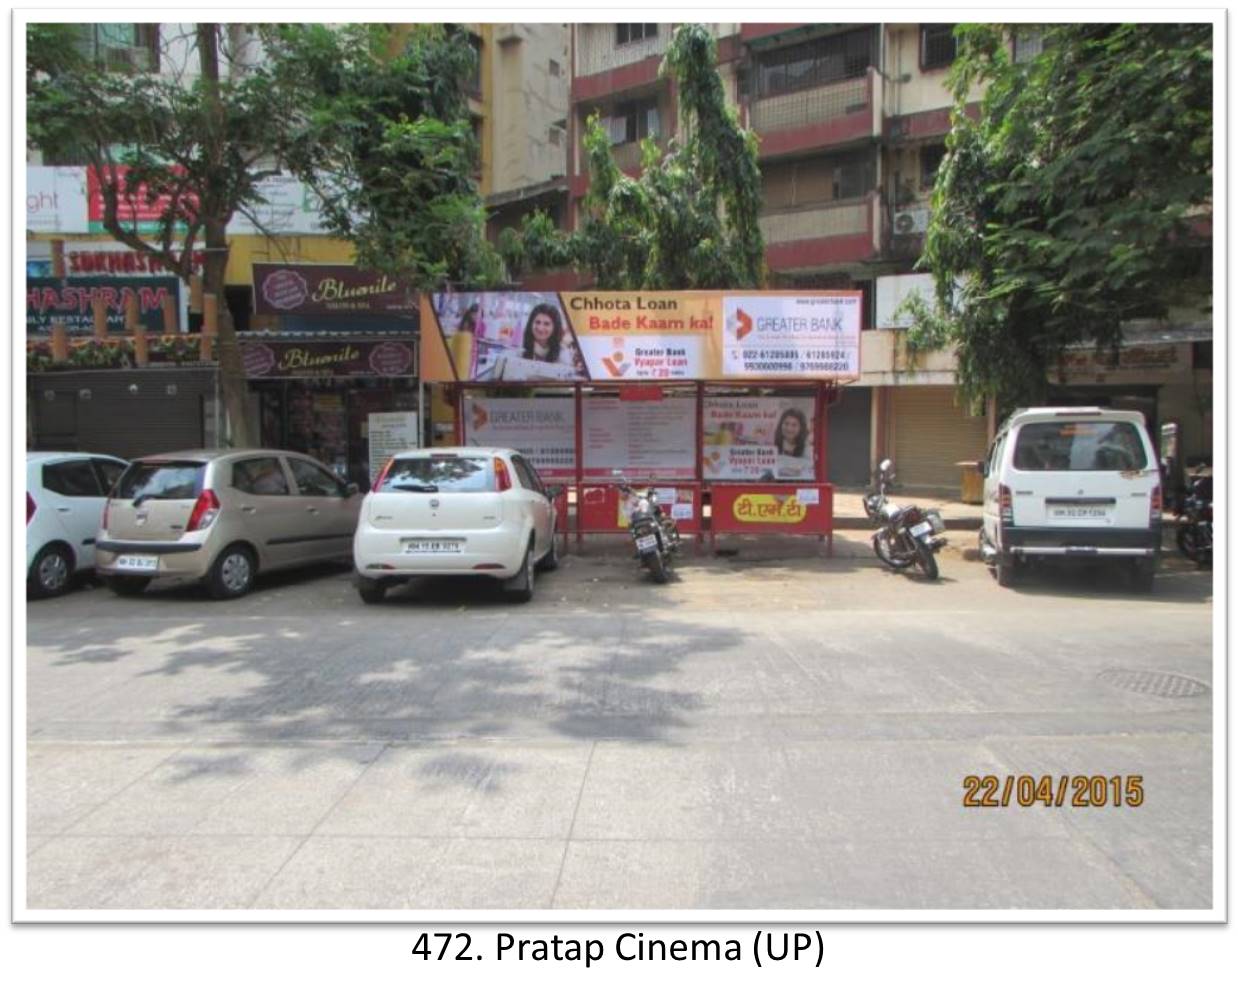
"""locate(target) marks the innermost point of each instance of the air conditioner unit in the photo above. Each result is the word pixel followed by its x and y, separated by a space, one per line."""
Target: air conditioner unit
pixel 911 222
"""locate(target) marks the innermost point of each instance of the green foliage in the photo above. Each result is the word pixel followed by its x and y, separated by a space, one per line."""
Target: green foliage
pixel 688 221
pixel 381 132
pixel 1062 210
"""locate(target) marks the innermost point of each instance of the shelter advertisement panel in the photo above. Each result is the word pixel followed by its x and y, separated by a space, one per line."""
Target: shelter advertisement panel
pixel 543 429
pixel 654 439
pixel 793 335
pixel 758 439
pixel 623 336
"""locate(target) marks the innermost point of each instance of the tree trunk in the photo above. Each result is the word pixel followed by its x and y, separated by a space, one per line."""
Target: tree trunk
pixel 215 239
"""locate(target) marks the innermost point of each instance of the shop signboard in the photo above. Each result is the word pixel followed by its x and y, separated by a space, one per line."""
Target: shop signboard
pixel 653 438
pixel 327 289
pixel 390 358
pixel 83 259
pixel 56 199
pixel 69 300
pixel 543 429
pixel 389 433
pixel 138 210
pixel 1138 362
pixel 655 336
pixel 758 439
pixel 288 207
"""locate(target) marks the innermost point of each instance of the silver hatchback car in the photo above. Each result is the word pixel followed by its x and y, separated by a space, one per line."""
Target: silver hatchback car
pixel 222 517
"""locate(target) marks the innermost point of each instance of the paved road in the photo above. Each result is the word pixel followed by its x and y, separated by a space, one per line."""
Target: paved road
pixel 773 730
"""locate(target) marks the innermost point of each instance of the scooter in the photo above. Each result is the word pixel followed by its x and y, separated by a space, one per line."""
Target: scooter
pixel 656 536
pixel 907 535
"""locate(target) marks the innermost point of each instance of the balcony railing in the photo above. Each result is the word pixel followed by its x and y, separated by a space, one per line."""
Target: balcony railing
pixel 816 106
pixel 596 51
pixel 850 217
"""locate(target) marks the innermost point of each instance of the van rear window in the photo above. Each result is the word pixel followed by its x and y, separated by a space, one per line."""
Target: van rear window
pixel 168 480
pixel 1079 446
pixel 447 473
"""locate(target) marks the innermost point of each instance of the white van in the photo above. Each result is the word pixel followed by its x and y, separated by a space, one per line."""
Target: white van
pixel 1072 483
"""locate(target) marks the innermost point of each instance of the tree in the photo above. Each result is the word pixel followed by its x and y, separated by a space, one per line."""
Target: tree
pixel 1063 209
pixel 689 221
pixel 381 132
pixel 203 141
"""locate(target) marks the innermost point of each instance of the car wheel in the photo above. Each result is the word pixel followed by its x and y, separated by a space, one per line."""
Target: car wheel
pixel 520 588
pixel 51 571
pixel 1007 571
pixel 371 590
pixel 1143 574
pixel 232 574
pixel 126 586
pixel 553 556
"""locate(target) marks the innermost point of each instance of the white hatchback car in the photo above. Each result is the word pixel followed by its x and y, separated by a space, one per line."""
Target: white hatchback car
pixel 456 511
pixel 65 495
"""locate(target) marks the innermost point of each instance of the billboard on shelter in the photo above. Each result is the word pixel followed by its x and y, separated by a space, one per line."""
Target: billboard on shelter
pixel 620 336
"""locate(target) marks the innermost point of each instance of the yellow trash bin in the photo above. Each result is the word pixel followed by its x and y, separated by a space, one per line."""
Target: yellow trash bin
pixel 972 486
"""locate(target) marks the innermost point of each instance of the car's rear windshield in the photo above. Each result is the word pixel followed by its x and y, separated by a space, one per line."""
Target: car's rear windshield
pixel 1083 445
pixel 163 479
pixel 447 473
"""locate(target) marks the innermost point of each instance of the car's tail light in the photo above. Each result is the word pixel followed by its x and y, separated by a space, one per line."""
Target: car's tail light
pixel 502 476
pixel 1154 515
pixel 382 474
pixel 205 511
pixel 30 508
pixel 1006 503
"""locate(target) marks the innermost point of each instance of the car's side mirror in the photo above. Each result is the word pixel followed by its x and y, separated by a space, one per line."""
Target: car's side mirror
pixel 351 489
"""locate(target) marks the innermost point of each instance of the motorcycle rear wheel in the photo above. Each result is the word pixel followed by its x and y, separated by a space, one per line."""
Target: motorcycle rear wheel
pixel 656 565
pixel 1188 542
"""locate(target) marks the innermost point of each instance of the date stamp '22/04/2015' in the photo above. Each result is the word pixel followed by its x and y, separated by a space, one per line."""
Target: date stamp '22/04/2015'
pixel 1076 791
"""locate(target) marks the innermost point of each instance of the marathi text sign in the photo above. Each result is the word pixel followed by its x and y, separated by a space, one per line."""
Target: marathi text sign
pixel 758 439
pixel 70 301
pixel 327 289
pixel 601 336
pixel 543 429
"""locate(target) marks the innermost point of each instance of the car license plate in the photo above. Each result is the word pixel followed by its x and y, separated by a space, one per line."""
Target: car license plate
pixel 433 546
pixel 132 562
pixel 1079 513
pixel 921 529
pixel 646 543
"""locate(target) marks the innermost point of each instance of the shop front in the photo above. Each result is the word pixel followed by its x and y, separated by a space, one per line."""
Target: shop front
pixel 324 394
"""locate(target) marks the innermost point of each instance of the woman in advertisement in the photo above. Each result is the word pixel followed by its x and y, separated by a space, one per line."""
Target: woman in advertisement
pixel 791 440
pixel 543 336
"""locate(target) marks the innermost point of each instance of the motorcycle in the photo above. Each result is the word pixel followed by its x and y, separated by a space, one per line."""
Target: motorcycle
pixel 655 534
pixel 908 535
pixel 1194 532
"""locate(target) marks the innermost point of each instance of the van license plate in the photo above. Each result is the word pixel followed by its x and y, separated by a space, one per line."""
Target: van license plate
pixel 1079 513
pixel 432 546
pixel 130 562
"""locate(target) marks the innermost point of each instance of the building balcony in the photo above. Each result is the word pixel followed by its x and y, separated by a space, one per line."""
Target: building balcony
pixel 604 68
pixel 821 234
pixel 833 114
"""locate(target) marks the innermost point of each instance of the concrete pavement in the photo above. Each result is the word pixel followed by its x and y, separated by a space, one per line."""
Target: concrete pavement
pixel 772 730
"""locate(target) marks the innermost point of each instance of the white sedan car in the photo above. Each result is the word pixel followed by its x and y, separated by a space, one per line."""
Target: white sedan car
pixel 456 511
pixel 65 495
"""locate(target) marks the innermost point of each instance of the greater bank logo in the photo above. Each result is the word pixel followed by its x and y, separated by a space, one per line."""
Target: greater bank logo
pixel 615 363
pixel 743 324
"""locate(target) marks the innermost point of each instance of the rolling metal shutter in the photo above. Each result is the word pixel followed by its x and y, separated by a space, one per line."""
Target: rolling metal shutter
pixel 127 413
pixel 931 434
pixel 849 437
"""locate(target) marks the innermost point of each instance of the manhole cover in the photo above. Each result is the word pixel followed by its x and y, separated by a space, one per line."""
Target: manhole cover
pixel 1162 683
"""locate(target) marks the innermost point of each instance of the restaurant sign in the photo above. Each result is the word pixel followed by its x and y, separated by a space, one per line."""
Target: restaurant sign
pixel 328 289
pixel 327 359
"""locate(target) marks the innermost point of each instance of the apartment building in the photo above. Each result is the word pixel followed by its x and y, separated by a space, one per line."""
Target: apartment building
pixel 852 120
